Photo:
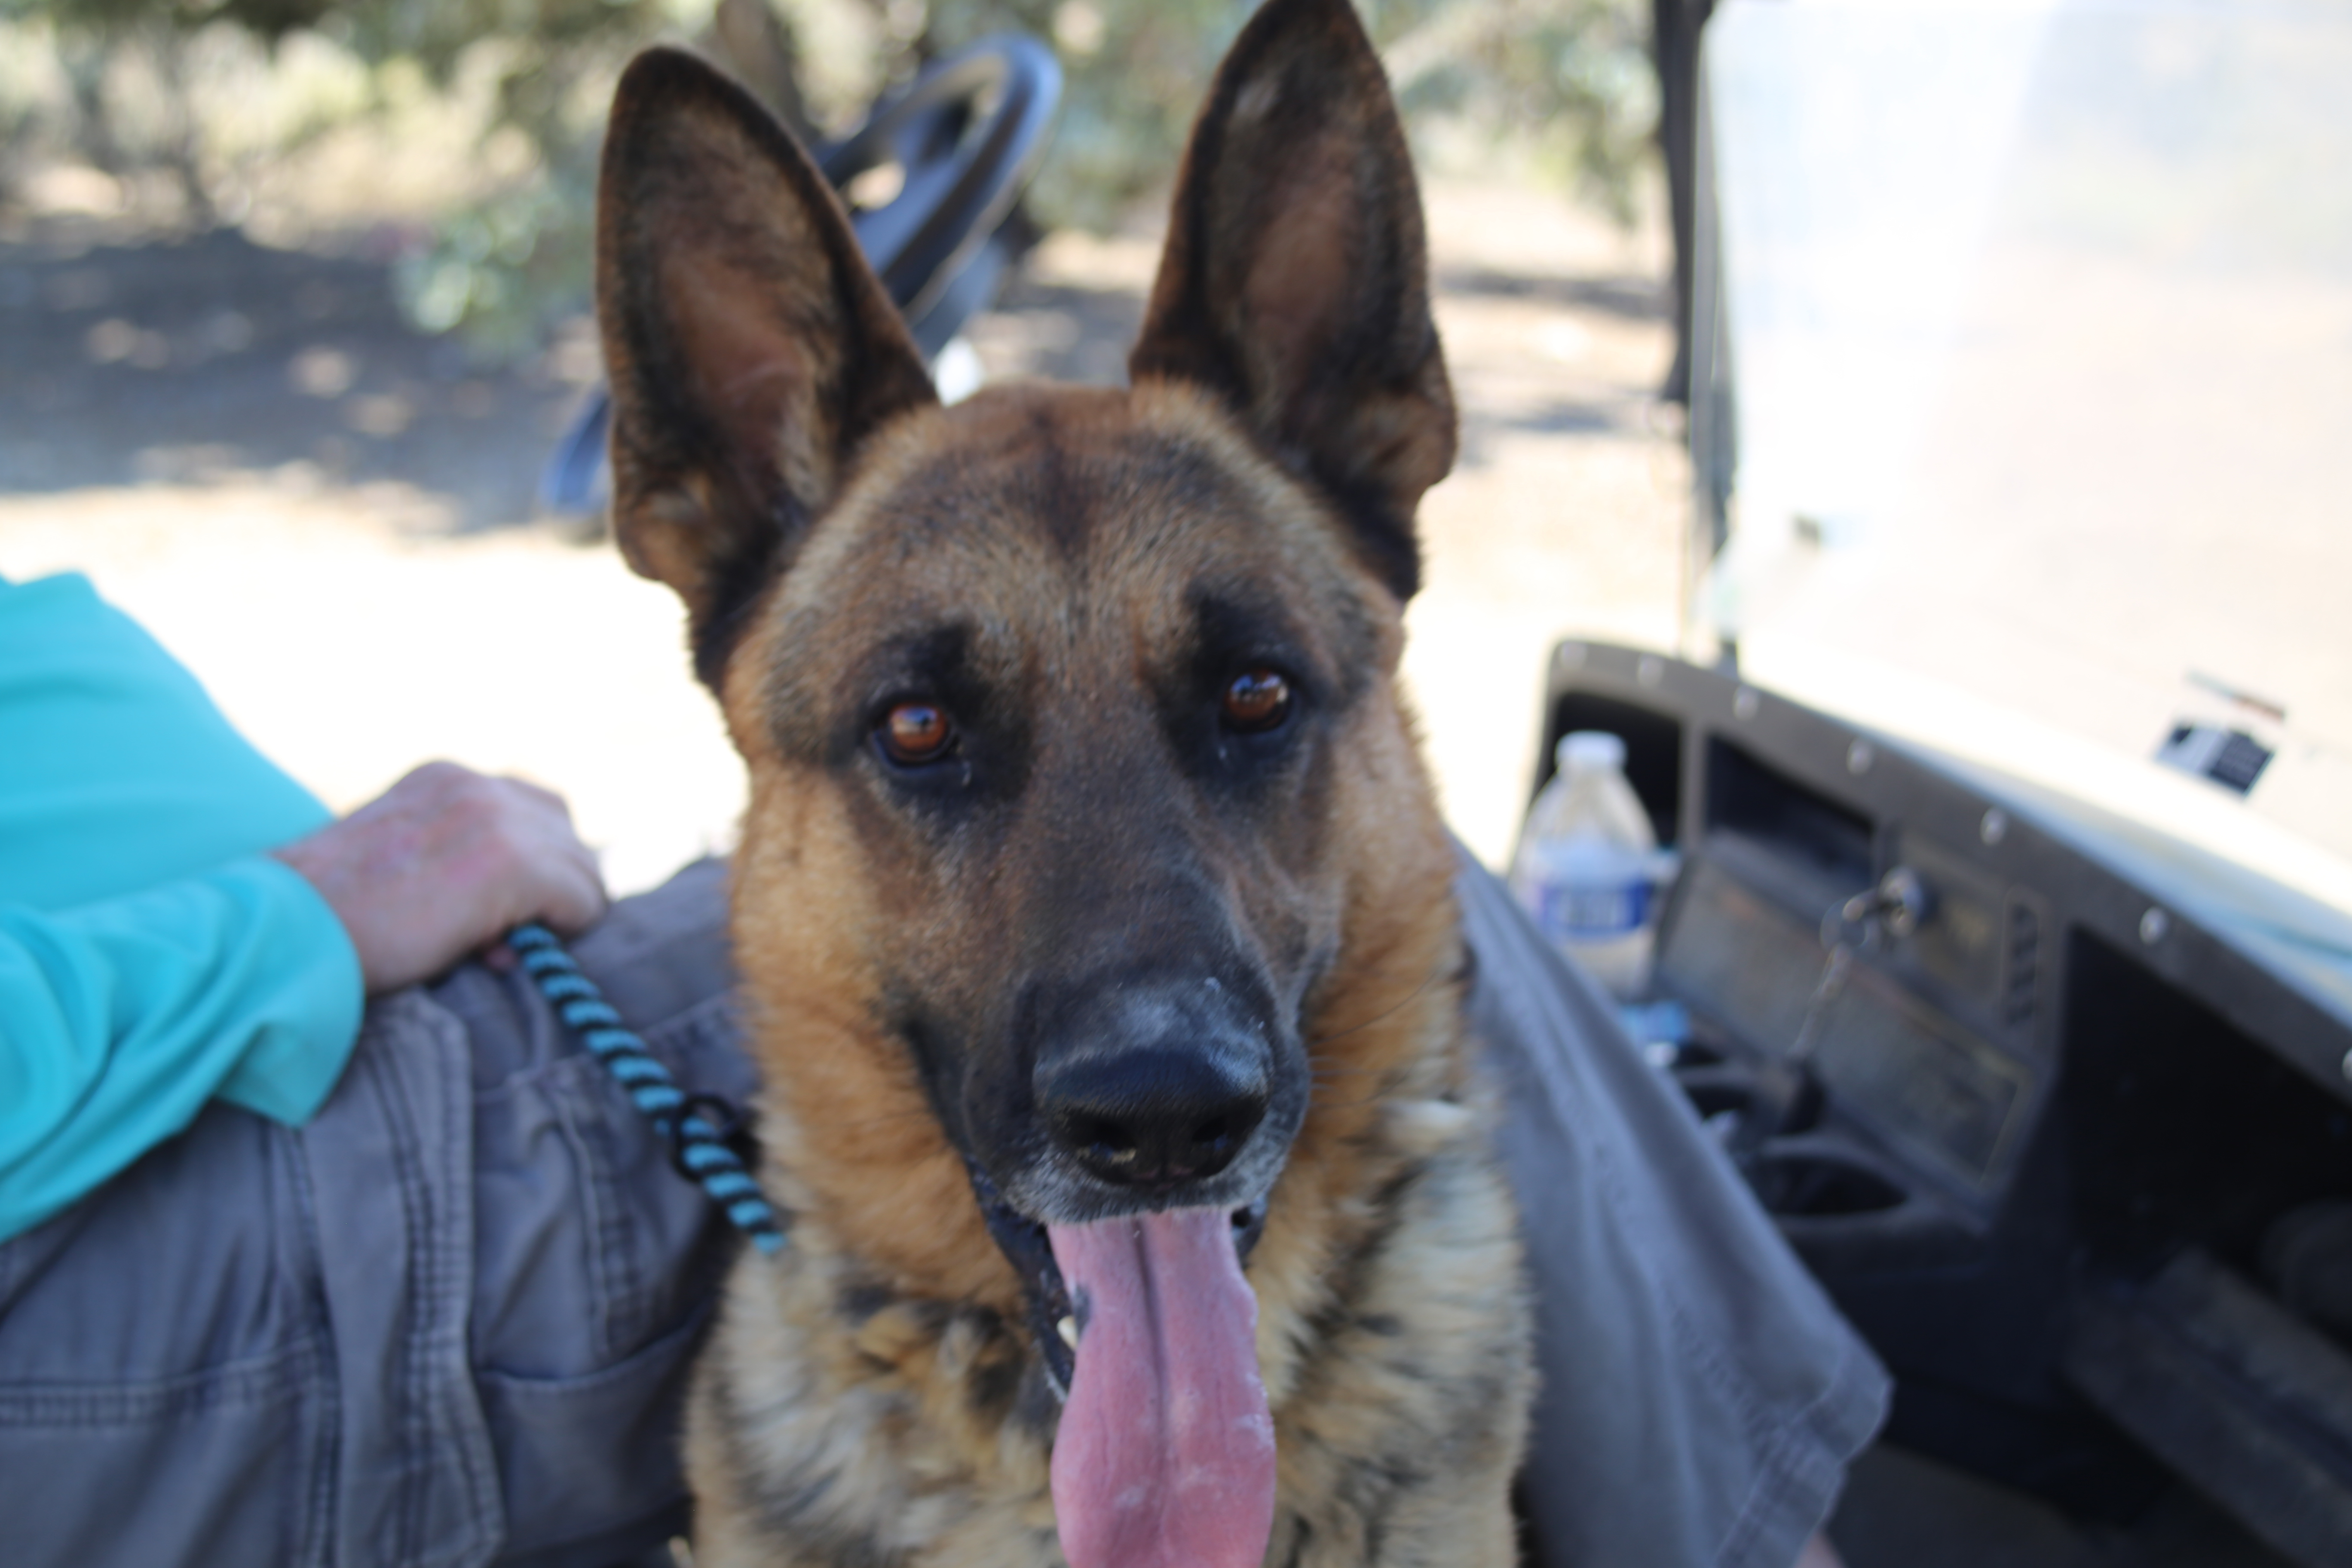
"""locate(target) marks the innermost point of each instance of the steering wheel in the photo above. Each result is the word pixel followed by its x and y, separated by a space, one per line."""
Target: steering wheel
pixel 967 135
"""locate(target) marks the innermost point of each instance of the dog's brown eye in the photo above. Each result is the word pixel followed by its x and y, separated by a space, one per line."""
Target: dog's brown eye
pixel 1258 700
pixel 914 733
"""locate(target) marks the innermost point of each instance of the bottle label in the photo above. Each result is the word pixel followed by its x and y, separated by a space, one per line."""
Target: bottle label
pixel 1592 911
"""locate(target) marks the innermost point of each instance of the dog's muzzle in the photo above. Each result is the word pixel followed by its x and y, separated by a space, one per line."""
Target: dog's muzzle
pixel 1147 1093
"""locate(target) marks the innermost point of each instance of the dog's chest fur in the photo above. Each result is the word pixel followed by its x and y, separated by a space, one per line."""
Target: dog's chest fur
pixel 836 1422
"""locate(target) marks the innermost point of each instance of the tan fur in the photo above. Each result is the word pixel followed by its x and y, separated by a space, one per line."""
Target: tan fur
pixel 874 1396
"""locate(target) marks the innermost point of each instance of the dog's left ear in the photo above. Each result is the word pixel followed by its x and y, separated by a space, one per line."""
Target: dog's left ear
pixel 1295 280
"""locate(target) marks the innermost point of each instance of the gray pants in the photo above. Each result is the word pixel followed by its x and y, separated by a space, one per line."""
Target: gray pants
pixel 448 1321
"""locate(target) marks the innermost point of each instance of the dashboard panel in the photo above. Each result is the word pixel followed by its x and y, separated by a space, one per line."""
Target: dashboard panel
pixel 2079 1167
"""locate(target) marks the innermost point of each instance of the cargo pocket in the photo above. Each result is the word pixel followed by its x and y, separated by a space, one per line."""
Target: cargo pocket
pixel 221 1466
pixel 594 1263
pixel 596 1268
pixel 585 1458
pixel 166 1379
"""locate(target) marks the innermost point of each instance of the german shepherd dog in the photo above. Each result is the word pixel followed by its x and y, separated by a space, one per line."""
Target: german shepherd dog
pixel 1094 913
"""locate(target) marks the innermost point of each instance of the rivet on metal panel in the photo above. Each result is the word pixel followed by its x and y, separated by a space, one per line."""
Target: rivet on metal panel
pixel 1571 656
pixel 2152 926
pixel 1745 702
pixel 1994 827
pixel 1859 756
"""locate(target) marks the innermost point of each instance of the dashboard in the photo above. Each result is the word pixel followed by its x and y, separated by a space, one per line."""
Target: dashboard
pixel 2077 1165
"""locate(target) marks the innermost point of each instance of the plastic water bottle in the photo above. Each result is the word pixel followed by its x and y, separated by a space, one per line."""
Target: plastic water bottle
pixel 1587 865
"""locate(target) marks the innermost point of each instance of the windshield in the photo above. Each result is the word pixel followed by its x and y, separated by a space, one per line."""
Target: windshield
pixel 2038 342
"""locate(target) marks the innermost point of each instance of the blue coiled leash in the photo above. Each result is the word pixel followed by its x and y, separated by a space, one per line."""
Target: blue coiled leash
pixel 694 1126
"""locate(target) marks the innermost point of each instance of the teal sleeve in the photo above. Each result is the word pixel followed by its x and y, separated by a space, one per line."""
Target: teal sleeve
pixel 120 1018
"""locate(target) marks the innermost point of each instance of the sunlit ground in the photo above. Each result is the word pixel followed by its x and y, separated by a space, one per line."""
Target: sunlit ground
pixel 330 520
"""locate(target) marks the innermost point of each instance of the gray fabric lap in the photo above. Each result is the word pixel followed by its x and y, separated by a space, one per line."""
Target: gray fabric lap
pixel 163 1373
pixel 1700 1395
pixel 479 1350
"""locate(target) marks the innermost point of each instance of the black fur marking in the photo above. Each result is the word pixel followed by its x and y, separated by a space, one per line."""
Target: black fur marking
pixel 795 1503
pixel 937 667
pixel 857 1303
pixel 1025 1245
pixel 1375 1488
pixel 1240 627
pixel 1178 476
pixel 1037 1407
pixel 947 663
pixel 1387 539
pixel 1348 1271
pixel 734 583
pixel 1056 493
pixel 936 1066
pixel 995 1383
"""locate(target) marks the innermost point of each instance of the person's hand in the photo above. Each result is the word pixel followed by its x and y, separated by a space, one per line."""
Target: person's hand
pixel 444 863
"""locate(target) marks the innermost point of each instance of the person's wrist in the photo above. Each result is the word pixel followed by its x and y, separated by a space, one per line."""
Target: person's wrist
pixel 442 865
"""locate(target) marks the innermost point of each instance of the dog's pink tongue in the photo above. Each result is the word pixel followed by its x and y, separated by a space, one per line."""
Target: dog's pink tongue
pixel 1165 1456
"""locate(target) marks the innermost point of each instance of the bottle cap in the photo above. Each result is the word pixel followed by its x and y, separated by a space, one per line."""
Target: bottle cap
pixel 1590 749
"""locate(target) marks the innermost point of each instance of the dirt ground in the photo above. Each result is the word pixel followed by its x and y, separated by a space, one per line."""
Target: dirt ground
pixel 331 519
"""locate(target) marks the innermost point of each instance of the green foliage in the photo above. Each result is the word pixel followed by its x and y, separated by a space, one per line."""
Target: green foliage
pixel 1133 73
pixel 503 268
pixel 506 265
pixel 1569 76
pixel 499 264
pixel 1573 77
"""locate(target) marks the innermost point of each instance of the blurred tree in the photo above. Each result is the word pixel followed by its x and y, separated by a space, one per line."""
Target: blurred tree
pixel 501 266
pixel 1569 76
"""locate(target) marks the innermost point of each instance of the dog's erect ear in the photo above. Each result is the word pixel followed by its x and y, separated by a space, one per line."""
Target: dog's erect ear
pixel 1296 280
pixel 750 346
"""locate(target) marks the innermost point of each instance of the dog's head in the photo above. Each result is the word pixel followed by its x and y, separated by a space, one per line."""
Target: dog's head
pixel 1089 868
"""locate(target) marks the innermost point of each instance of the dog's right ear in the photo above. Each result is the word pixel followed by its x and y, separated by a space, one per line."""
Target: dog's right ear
pixel 750 346
pixel 1296 280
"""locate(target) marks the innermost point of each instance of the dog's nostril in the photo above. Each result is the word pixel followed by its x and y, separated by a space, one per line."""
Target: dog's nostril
pixel 1151 1118
pixel 1101 1140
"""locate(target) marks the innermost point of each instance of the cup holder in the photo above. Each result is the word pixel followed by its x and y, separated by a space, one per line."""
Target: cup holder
pixel 1808 1183
pixel 1730 1091
pixel 1716 1098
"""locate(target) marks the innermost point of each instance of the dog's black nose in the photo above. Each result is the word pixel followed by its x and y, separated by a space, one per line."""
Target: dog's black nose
pixel 1154 1116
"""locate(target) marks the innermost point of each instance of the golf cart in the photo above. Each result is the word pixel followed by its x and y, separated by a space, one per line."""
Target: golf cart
pixel 2009 757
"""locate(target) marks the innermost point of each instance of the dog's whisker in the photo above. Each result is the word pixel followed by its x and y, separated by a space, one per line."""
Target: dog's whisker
pixel 862 1123
pixel 1322 1104
pixel 1407 1000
